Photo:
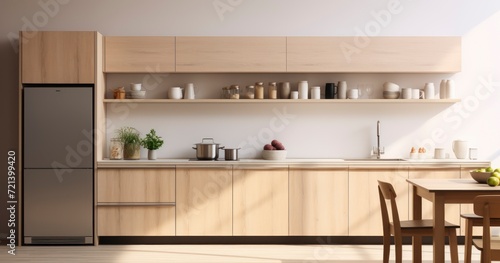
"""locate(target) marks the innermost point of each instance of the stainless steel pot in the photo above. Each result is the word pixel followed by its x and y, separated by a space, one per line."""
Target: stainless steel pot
pixel 231 154
pixel 207 149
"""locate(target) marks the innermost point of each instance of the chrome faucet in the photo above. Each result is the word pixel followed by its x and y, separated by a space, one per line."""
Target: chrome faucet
pixel 378 140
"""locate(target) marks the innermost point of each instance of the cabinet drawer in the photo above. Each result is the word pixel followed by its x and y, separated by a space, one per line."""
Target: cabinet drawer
pixel 136 185
pixel 136 221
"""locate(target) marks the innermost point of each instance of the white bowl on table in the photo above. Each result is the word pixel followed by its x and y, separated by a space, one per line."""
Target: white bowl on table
pixel 274 154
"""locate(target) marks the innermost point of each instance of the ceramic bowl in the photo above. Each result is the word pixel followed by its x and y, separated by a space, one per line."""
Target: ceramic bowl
pixel 391 94
pixel 389 86
pixel 273 154
pixel 138 94
pixel 480 177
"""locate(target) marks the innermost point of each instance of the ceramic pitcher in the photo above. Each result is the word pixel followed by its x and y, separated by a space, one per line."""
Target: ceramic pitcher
pixel 460 148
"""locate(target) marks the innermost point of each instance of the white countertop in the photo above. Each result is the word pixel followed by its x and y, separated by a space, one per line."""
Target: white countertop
pixel 144 163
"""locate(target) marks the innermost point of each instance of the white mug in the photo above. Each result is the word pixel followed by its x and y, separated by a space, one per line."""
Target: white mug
pixel 294 95
pixel 175 93
pixel 135 86
pixel 189 91
pixel 342 90
pixel 439 153
pixel 460 148
pixel 353 94
pixel 429 90
pixel 406 93
pixel 416 94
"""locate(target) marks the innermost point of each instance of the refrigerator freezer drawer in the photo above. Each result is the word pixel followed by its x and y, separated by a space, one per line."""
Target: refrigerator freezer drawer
pixel 58 205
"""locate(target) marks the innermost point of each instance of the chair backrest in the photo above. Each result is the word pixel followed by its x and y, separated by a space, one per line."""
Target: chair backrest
pixel 386 192
pixel 487 206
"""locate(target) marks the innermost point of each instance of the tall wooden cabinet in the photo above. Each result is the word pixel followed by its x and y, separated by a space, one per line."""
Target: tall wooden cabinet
pixel 204 204
pixel 58 57
pixel 318 201
pixel 136 202
pixel 260 201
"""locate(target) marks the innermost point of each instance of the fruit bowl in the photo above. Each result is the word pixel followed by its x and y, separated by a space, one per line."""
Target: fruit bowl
pixel 480 177
pixel 273 154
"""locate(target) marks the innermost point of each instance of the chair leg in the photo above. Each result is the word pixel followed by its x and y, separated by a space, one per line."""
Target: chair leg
pixel 468 241
pixel 387 247
pixel 452 238
pixel 399 248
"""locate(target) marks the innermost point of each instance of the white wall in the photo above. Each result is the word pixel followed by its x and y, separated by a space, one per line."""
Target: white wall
pixel 315 130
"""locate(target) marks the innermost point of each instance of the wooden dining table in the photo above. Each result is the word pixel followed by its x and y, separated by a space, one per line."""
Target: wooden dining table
pixel 441 192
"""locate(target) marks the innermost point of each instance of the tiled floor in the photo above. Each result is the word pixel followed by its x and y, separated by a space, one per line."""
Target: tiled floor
pixel 212 253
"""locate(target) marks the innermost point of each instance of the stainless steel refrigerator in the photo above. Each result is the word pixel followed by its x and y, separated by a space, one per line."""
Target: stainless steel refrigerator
pixel 58 164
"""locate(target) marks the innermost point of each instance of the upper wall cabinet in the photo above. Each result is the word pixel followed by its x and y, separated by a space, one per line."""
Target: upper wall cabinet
pixel 146 54
pixel 58 57
pixel 231 54
pixel 374 54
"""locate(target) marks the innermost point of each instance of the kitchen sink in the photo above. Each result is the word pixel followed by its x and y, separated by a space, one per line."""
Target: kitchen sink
pixel 375 160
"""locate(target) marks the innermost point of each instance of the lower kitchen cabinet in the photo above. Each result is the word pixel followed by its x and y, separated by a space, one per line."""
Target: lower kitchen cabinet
pixel 204 201
pixel 136 202
pixel 260 201
pixel 452 211
pixel 318 202
pixel 365 218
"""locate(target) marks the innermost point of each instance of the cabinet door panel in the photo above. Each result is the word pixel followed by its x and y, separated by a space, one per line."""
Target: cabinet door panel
pixel 204 201
pixel 150 54
pixel 318 202
pixel 58 57
pixel 230 54
pixel 373 54
pixel 260 202
pixel 365 218
pixel 136 221
pixel 136 185
pixel 452 211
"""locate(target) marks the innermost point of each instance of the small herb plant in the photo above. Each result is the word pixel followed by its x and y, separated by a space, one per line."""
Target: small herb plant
pixel 129 135
pixel 152 141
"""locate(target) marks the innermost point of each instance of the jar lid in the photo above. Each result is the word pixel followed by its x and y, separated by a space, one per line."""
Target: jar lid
pixel 259 83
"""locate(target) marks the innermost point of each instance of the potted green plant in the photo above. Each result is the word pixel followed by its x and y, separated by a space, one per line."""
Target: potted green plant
pixel 130 137
pixel 152 142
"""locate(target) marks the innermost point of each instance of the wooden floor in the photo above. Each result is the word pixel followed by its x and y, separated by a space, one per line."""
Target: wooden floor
pixel 211 253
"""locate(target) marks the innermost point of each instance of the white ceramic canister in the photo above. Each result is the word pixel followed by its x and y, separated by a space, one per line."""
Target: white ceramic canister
pixel 442 89
pixel 450 89
pixel 303 90
pixel 429 90
pixel 342 90
pixel 316 93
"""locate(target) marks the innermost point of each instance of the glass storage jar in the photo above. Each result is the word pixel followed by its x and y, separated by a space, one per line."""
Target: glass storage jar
pixel 259 90
pixel 115 149
pixel 272 91
pixel 250 92
pixel 234 92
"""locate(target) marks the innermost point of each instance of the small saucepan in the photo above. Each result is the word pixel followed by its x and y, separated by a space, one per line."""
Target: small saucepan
pixel 231 154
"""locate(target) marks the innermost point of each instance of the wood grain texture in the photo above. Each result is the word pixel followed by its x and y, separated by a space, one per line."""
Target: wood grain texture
pixel 374 54
pixel 318 202
pixel 99 95
pixel 260 202
pixel 136 185
pixel 452 211
pixel 148 54
pixel 230 54
pixel 58 57
pixel 136 221
pixel 204 201
pixel 365 218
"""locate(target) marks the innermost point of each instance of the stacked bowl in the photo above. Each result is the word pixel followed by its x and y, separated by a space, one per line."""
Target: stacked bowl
pixel 391 90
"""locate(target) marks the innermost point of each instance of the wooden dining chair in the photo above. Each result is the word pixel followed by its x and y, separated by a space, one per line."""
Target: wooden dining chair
pixel 398 228
pixel 488 208
pixel 471 221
